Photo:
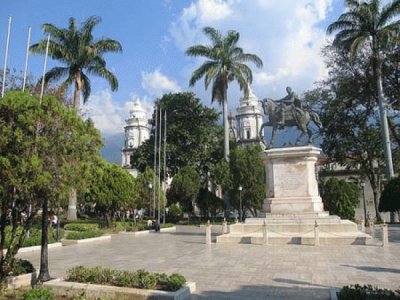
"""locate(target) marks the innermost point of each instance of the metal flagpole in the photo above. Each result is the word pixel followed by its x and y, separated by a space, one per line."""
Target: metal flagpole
pixel 155 164
pixel 165 161
pixel 159 168
pixel 44 68
pixel 6 57
pixel 28 42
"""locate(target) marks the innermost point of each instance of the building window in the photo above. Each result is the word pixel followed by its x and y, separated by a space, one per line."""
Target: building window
pixel 248 134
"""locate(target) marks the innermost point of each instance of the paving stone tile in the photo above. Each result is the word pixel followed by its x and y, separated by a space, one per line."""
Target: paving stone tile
pixel 224 271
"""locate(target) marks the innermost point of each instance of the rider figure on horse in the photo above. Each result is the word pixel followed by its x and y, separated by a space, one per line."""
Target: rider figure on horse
pixel 290 102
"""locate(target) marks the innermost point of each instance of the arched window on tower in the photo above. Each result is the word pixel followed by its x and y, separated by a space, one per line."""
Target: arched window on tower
pixel 248 134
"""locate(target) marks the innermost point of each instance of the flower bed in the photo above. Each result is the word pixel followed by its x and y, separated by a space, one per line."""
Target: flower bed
pixel 101 282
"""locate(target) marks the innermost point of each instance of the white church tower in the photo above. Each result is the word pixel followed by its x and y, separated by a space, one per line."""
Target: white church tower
pixel 137 130
pixel 249 119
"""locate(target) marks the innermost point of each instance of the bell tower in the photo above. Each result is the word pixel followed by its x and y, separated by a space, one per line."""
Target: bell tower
pixel 137 130
pixel 249 119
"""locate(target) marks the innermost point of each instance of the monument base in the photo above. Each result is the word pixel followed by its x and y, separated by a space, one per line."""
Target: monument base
pixel 293 211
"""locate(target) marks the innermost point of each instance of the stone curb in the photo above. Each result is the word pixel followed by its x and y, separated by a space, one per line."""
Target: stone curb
pixel 24 280
pixel 66 242
pixel 71 289
pixel 34 248
pixel 144 232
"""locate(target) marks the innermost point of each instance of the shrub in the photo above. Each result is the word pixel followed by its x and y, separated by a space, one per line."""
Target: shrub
pixel 340 197
pixel 81 226
pixel 38 294
pixel 34 239
pixel 123 226
pixel 139 279
pixel 22 266
pixel 366 292
pixel 167 225
pixel 175 282
pixel 80 235
pixel 390 196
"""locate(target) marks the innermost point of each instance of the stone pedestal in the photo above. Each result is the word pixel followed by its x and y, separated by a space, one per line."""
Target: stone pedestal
pixel 293 210
pixel 291 181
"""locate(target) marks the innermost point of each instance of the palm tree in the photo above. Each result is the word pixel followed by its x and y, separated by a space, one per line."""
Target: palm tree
pixel 79 52
pixel 225 63
pixel 369 26
pixel 81 55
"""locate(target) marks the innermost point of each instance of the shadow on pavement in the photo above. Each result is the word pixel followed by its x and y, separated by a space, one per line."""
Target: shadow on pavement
pixel 374 269
pixel 254 292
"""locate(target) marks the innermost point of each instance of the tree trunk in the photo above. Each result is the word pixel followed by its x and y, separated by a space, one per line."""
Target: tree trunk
pixel 72 212
pixel 384 125
pixel 226 126
pixel 44 253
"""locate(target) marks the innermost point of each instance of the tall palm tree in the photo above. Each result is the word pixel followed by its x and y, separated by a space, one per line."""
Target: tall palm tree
pixel 81 55
pixel 369 26
pixel 225 63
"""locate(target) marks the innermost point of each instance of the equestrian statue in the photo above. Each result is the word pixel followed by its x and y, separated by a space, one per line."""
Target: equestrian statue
pixel 288 112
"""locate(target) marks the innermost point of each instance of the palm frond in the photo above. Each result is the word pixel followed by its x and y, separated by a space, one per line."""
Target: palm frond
pixel 102 72
pixel 199 50
pixel 213 34
pixel 107 45
pixel 86 87
pixel 200 72
pixel 389 11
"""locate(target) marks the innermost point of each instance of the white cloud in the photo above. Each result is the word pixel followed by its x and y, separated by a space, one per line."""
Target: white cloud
pixel 185 30
pixel 286 34
pixel 156 83
pixel 108 115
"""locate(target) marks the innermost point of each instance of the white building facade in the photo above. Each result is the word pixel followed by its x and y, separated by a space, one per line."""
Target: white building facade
pixel 137 130
pixel 249 119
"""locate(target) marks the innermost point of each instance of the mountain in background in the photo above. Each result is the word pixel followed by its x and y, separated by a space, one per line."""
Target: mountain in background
pixel 112 147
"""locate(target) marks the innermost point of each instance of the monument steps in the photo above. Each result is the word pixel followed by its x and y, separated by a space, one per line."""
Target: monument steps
pixel 293 211
pixel 299 238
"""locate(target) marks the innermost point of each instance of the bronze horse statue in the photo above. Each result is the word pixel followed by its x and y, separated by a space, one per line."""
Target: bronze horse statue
pixel 295 117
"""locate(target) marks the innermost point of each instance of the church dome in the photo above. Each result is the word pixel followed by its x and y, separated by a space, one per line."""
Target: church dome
pixel 137 112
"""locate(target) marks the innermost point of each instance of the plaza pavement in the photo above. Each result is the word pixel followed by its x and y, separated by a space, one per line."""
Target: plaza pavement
pixel 224 271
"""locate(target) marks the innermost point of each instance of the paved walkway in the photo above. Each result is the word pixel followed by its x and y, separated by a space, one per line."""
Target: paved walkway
pixel 223 271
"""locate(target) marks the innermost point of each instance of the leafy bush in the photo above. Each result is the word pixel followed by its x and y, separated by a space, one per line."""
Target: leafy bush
pixel 123 226
pixel 175 282
pixel 167 225
pixel 340 197
pixel 390 196
pixel 139 279
pixel 80 235
pixel 366 292
pixel 34 239
pixel 38 294
pixel 81 226
pixel 22 266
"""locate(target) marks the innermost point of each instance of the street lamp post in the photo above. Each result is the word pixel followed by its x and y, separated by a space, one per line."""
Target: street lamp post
pixel 362 184
pixel 150 187
pixel 240 203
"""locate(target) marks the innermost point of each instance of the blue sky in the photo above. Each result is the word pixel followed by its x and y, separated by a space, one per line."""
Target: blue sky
pixel 286 34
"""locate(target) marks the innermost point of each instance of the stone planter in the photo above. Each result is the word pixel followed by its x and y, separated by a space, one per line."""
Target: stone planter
pixel 66 242
pixel 24 280
pixel 72 289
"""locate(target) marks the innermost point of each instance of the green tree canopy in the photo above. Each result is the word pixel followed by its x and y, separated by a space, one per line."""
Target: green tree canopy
pixel 247 171
pixel 192 135
pixel 390 201
pixel 37 142
pixel 340 197
pixel 185 188
pixel 370 27
pixel 112 188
